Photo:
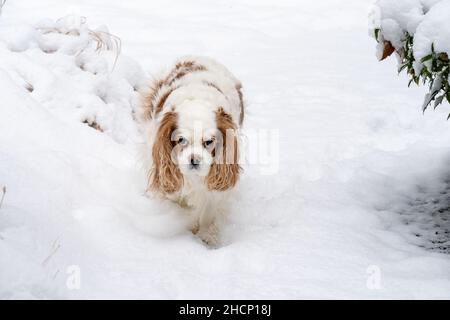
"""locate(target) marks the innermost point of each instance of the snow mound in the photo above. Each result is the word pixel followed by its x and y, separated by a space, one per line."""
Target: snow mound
pixel 74 72
pixel 62 176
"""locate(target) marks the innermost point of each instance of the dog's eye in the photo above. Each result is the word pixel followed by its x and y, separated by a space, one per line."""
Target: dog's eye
pixel 182 141
pixel 208 143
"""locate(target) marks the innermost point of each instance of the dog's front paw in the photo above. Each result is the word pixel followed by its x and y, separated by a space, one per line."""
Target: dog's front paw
pixel 210 235
pixel 194 228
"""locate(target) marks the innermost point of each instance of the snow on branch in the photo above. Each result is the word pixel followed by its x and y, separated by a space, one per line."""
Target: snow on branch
pixel 418 31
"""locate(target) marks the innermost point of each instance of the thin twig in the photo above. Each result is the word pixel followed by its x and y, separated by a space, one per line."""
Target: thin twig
pixel 114 43
pixel 55 247
pixel 103 39
pixel 56 274
pixel 3 196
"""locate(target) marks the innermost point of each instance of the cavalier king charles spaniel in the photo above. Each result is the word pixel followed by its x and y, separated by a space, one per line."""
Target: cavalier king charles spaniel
pixel 192 116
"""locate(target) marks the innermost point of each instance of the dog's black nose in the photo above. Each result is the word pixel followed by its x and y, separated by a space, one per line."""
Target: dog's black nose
pixel 195 161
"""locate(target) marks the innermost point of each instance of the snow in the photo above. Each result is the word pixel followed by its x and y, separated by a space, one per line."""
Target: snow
pixel 356 209
pixel 426 20
pixel 396 17
pixel 435 29
pixel 66 71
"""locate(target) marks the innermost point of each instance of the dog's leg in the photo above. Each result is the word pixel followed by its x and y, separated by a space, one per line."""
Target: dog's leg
pixel 195 227
pixel 210 234
pixel 209 225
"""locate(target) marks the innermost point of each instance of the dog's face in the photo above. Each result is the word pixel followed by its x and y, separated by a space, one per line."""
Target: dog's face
pixel 193 141
pixel 194 150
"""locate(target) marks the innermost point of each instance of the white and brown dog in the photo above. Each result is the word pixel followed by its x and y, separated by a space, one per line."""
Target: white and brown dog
pixel 192 116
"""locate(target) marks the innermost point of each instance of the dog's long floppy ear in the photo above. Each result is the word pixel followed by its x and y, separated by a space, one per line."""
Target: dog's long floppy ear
pixel 165 176
pixel 225 170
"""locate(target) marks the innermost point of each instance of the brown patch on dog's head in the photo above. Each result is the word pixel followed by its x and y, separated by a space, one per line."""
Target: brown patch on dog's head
pixel 162 100
pixel 210 84
pixel 225 170
pixel 165 176
pixel 181 69
pixel 149 100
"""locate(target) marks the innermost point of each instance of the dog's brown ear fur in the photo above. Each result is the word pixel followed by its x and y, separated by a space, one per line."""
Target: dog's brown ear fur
pixel 225 170
pixel 165 176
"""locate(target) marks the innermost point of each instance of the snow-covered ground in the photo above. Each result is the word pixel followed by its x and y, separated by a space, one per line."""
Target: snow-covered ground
pixel 358 205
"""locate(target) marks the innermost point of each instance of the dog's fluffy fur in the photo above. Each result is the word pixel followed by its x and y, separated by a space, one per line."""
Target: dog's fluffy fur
pixel 192 115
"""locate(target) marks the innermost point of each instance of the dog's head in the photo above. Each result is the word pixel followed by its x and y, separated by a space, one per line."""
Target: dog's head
pixel 193 142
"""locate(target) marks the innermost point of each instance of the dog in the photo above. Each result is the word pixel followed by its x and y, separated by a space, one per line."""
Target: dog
pixel 192 115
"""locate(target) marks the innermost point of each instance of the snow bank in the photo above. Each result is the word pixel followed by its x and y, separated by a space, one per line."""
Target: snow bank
pixel 61 173
pixel 75 72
